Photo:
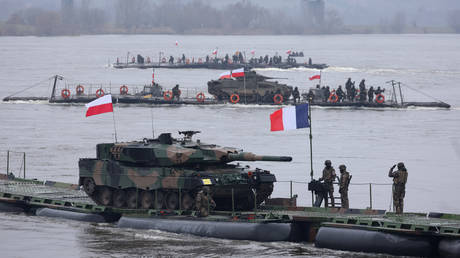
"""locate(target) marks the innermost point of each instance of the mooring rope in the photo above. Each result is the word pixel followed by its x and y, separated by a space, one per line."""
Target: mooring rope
pixel 28 88
pixel 423 93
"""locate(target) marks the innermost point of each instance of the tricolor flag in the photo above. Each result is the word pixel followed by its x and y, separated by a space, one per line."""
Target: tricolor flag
pixel 315 77
pixel 292 117
pixel 225 75
pixel 288 52
pixel 238 73
pixel 214 52
pixel 177 43
pixel 99 106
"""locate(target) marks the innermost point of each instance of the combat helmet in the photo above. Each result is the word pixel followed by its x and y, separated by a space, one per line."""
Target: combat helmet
pixel 327 162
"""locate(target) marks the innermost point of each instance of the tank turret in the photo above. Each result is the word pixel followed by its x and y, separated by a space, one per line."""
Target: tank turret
pixel 156 173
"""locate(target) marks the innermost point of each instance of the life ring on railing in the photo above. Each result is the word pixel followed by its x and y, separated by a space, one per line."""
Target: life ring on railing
pixel 357 94
pixel 187 61
pixel 200 97
pixel 133 60
pixel 80 89
pixel 167 95
pixel 333 97
pixel 278 99
pixel 148 60
pixel 163 60
pixel 123 90
pixel 234 98
pixel 200 61
pixel 100 93
pixel 65 93
pixel 379 98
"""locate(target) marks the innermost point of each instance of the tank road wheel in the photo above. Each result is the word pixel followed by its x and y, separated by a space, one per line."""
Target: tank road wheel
pixel 132 199
pixel 146 200
pixel 159 198
pixel 89 186
pixel 119 198
pixel 105 196
pixel 187 201
pixel 172 201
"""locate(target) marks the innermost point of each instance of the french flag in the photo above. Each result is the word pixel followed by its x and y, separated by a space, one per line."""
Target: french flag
pixel 99 106
pixel 288 118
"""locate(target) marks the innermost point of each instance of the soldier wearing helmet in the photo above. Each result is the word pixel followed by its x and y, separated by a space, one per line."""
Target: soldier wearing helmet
pixel 328 178
pixel 399 186
pixel 204 202
pixel 344 181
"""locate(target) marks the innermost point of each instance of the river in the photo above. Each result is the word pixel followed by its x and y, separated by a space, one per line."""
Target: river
pixel 369 141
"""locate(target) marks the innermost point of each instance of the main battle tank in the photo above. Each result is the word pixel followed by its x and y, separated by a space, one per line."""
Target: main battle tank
pixel 258 89
pixel 157 173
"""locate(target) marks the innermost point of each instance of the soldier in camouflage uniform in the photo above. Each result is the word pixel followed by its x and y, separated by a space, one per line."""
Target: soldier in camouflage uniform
pixel 344 181
pixel 399 186
pixel 329 177
pixel 204 202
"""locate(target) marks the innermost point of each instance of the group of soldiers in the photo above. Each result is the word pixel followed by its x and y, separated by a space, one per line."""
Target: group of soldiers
pixel 350 94
pixel 204 202
pixel 329 176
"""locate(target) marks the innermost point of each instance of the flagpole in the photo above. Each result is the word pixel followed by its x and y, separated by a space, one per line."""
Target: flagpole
pixel 244 84
pixel 311 146
pixel 320 77
pixel 114 125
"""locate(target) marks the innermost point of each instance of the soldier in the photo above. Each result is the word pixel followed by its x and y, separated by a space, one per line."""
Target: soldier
pixel 344 181
pixel 370 94
pixel 399 186
pixel 204 202
pixel 176 92
pixel 296 95
pixel 328 178
pixel 340 94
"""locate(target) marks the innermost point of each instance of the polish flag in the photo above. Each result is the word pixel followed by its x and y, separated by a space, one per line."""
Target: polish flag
pixel 238 73
pixel 288 52
pixel 253 52
pixel 292 117
pixel 177 43
pixel 99 106
pixel 153 77
pixel 214 52
pixel 225 75
pixel 315 77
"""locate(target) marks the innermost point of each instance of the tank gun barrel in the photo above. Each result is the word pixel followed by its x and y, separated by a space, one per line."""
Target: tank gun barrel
pixel 249 156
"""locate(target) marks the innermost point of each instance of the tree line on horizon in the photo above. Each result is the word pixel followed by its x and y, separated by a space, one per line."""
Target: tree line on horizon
pixel 193 17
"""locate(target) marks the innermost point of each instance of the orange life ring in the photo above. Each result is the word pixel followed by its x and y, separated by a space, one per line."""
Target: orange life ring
pixel 167 95
pixel 200 97
pixel 200 61
pixel 124 90
pixel 379 98
pixel 65 93
pixel 333 97
pixel 80 89
pixel 278 99
pixel 234 98
pixel 100 93
pixel 163 60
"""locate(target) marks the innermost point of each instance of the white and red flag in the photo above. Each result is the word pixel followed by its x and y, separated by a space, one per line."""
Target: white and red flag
pixel 177 43
pixel 315 77
pixel 238 73
pixel 225 75
pixel 214 52
pixel 253 52
pixel 288 52
pixel 99 106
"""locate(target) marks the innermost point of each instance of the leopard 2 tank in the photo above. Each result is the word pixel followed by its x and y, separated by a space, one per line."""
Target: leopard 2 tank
pixel 167 173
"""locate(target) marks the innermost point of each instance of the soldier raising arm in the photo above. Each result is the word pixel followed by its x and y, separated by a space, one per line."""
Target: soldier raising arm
pixel 399 186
